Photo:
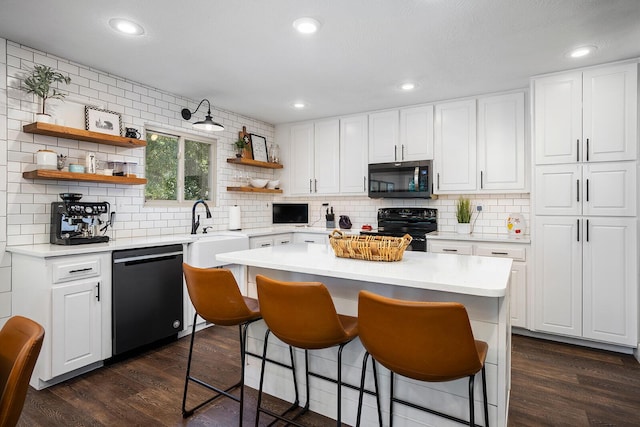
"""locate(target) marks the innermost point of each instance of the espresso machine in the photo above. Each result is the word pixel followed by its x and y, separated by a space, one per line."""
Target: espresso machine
pixel 76 223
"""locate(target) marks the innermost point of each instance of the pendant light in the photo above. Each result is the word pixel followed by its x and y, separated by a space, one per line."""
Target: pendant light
pixel 207 124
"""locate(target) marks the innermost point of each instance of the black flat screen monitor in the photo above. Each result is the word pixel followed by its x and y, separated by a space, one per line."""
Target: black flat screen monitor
pixel 290 213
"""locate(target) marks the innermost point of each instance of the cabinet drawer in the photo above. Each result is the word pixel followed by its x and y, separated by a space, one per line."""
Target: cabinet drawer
pixel 517 254
pixel 64 271
pixel 458 248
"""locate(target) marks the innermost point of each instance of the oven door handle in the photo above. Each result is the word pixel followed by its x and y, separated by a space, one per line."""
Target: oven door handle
pixel 147 257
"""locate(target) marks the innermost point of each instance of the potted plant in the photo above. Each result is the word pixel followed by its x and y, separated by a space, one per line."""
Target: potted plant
pixel 239 146
pixel 463 215
pixel 39 82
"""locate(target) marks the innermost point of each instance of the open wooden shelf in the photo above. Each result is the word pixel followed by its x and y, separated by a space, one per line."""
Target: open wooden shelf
pixel 254 190
pixel 82 135
pixel 88 177
pixel 251 162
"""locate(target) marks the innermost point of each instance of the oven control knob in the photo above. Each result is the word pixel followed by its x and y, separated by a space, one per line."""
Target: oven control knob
pixel 88 210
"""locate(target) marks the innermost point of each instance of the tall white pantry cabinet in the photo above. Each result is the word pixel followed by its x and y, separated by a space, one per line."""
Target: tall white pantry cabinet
pixel 585 196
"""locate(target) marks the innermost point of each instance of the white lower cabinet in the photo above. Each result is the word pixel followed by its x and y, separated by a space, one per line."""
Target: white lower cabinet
pixel 76 326
pixel 310 238
pixel 270 240
pixel 516 251
pixel 586 278
pixel 70 296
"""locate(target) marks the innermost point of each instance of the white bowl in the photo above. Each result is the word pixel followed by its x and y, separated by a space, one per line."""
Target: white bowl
pixel 273 184
pixel 258 183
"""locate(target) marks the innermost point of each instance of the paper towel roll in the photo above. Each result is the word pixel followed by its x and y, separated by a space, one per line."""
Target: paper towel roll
pixel 234 218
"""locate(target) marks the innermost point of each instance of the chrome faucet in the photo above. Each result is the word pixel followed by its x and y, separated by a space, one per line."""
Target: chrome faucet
pixel 196 223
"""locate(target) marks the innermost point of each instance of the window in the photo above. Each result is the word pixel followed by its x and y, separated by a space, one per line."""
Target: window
pixel 179 167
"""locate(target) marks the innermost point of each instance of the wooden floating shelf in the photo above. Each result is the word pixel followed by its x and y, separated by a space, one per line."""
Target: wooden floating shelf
pixel 251 162
pixel 254 190
pixel 82 135
pixel 87 177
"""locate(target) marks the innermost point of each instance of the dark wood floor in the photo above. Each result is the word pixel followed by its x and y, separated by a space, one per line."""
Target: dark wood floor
pixel 552 385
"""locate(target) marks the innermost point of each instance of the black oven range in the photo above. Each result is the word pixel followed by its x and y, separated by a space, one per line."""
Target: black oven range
pixel 396 222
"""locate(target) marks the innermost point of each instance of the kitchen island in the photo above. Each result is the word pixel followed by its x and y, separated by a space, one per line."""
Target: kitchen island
pixel 480 283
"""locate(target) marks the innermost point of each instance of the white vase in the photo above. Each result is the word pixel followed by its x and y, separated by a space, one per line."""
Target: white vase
pixel 43 118
pixel 463 228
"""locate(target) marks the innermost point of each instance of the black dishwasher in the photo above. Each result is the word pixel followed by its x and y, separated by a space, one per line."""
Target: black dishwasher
pixel 147 296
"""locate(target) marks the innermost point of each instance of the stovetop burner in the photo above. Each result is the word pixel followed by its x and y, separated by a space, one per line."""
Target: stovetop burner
pixel 397 222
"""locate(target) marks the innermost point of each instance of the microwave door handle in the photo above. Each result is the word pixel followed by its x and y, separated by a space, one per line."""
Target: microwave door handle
pixel 416 175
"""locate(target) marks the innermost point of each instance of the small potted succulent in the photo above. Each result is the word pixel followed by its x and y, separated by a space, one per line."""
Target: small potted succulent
pixel 463 215
pixel 39 82
pixel 239 146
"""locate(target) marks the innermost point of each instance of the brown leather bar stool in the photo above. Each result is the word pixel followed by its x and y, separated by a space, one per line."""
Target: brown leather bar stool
pixel 425 341
pixel 20 343
pixel 302 315
pixel 216 297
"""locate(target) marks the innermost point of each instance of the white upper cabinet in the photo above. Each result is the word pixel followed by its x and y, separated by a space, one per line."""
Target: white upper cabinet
pixel 501 143
pixel 455 146
pixel 326 157
pixel 610 109
pixel 586 116
pixel 354 144
pixel 383 137
pixel 416 133
pixel 558 118
pixel 315 156
pixel 300 165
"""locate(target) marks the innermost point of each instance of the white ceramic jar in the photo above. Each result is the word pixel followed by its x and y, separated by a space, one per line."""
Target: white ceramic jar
pixel 46 159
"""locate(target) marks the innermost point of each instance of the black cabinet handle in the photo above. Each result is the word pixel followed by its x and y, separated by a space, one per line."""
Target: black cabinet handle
pixel 577 190
pixel 395 152
pixel 578 228
pixel 577 150
pixel 402 152
pixel 587 190
pixel 98 291
pixel 310 190
pixel 364 183
pixel 449 250
pixel 587 149
pixel 499 253
pixel 481 180
pixel 438 175
pixel 80 270
pixel 587 230
pixel 316 185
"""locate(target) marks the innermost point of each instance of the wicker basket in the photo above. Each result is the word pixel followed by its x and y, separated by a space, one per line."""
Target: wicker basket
pixel 370 248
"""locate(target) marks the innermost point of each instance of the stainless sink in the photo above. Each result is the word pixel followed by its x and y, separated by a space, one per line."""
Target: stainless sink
pixel 202 252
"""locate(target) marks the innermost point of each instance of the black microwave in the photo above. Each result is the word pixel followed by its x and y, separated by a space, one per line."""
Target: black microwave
pixel 407 180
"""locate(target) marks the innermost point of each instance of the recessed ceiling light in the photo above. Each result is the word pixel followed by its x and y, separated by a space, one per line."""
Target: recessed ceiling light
pixel 582 51
pixel 125 26
pixel 408 86
pixel 306 25
pixel 299 105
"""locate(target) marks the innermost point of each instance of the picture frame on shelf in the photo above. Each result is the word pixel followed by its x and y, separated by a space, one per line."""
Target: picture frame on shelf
pixel 103 121
pixel 259 146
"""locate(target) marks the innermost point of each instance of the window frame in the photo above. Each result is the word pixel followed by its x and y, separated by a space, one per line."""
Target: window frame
pixel 182 137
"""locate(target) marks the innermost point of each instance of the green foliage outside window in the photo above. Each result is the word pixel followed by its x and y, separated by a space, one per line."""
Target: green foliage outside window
pixel 163 168
pixel 196 170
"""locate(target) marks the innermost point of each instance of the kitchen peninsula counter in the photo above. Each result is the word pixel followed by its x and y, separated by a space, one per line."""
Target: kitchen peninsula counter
pixel 480 283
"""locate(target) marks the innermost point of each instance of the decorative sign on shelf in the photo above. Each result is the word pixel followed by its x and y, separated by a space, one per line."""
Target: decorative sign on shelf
pixel 103 121
pixel 259 145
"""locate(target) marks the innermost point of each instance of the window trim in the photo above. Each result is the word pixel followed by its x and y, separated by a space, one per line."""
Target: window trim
pixel 182 137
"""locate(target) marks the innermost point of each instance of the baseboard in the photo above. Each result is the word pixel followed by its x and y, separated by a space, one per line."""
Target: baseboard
pixel 577 341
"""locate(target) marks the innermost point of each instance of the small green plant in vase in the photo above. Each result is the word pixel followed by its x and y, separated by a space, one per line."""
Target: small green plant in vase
pixel 239 146
pixel 463 215
pixel 39 82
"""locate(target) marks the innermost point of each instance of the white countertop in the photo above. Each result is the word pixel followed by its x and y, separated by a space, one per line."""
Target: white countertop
pixel 473 275
pixel 480 237
pixel 45 250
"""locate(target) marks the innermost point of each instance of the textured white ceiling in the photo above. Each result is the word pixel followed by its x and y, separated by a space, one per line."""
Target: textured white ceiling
pixel 244 55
